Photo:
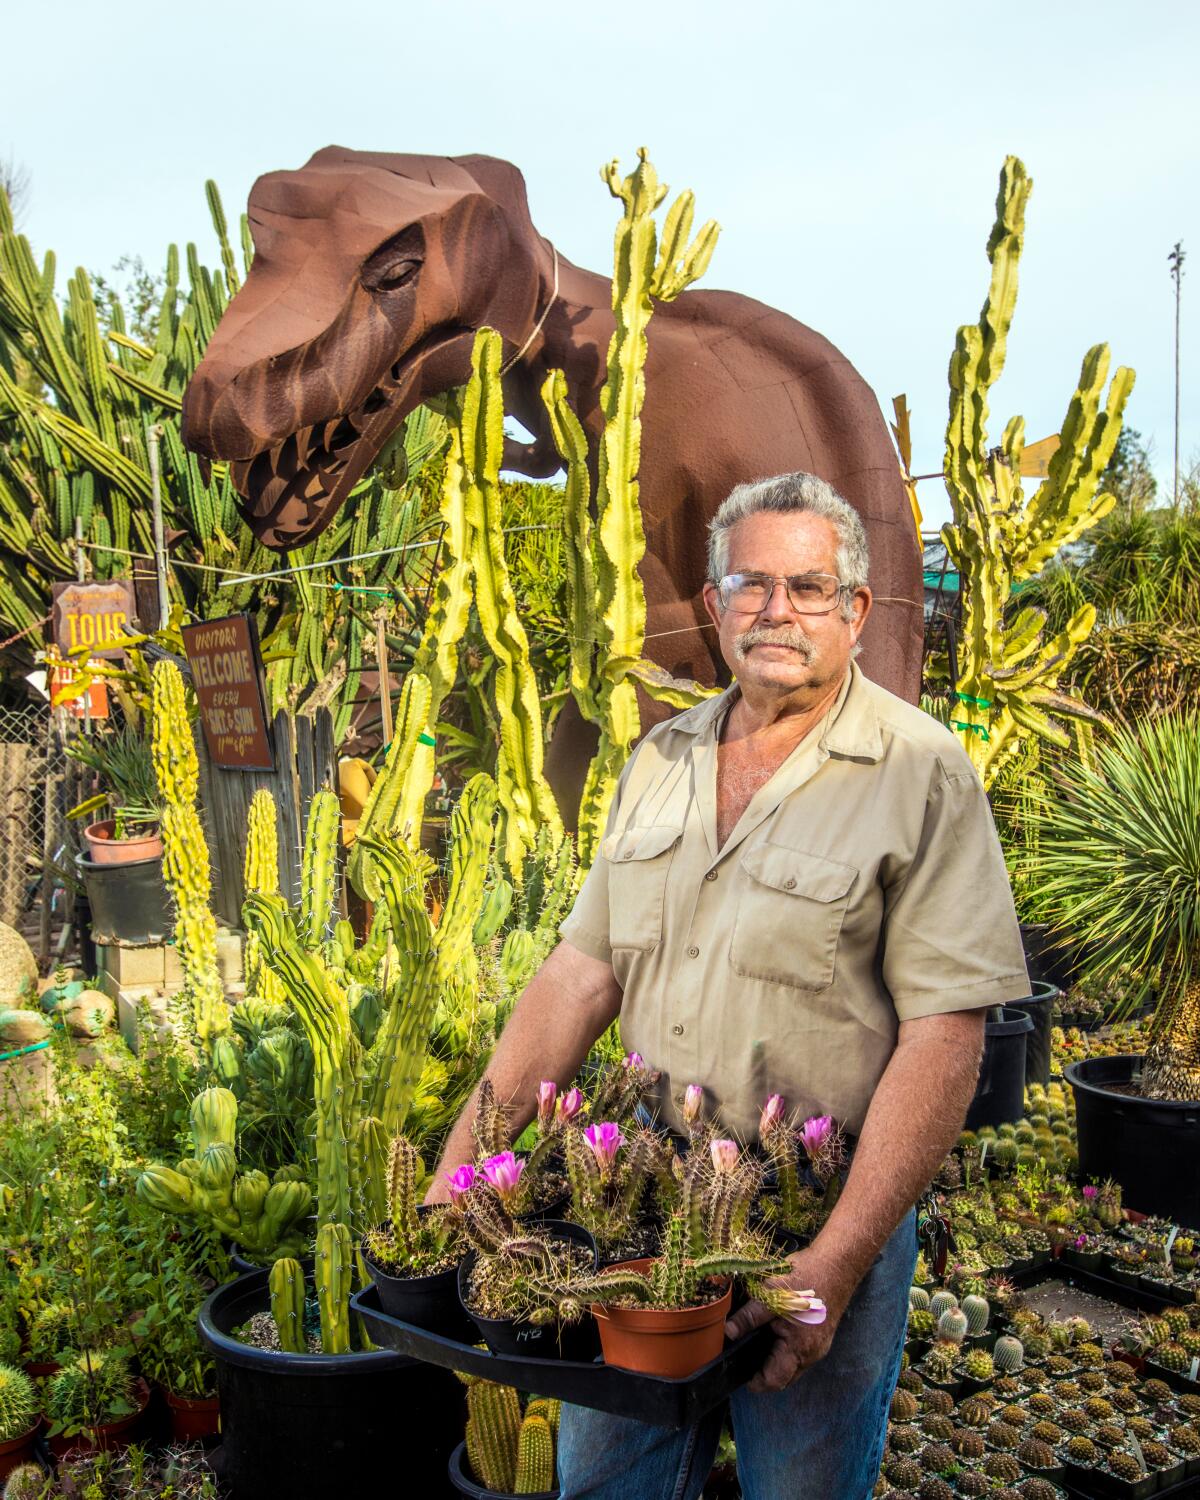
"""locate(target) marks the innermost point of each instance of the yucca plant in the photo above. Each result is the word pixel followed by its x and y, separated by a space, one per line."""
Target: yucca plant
pixel 1117 856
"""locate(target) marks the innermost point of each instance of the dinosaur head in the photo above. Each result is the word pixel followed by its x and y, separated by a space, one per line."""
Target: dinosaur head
pixel 371 274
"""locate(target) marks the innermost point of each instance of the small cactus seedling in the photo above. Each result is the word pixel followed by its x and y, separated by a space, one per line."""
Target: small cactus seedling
pixel 942 1301
pixel 952 1326
pixel 978 1312
pixel 1008 1354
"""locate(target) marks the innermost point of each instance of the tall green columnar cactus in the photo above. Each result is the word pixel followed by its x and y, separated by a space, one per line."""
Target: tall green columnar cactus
pixel 318 868
pixel 261 874
pixel 429 958
pixel 387 812
pixel 333 1272
pixel 1008 670
pixel 477 426
pixel 186 865
pixel 606 599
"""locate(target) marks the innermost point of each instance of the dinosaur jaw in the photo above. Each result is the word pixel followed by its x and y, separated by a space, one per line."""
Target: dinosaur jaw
pixel 292 491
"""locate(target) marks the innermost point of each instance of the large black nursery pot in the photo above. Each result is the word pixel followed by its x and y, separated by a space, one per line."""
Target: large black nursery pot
pixel 129 902
pixel 306 1426
pixel 1039 1007
pixel 1150 1146
pixel 1000 1092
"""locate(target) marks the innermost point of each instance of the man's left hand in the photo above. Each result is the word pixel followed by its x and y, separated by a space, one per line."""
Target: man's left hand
pixel 797 1345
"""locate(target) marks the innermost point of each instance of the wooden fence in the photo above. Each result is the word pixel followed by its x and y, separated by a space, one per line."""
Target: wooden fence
pixel 305 761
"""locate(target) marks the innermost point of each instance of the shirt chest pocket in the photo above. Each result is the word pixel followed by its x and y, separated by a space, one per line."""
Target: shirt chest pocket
pixel 791 907
pixel 638 861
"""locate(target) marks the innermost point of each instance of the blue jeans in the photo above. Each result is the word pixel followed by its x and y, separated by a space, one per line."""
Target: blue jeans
pixel 821 1439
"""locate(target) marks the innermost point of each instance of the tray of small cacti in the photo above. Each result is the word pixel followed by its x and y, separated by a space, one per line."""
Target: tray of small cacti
pixel 622 1303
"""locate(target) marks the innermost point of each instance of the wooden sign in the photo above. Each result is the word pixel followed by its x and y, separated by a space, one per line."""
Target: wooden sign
pixel 1035 460
pixel 227 675
pixel 92 615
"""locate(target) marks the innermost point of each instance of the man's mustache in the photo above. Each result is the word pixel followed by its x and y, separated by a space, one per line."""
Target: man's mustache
pixel 784 635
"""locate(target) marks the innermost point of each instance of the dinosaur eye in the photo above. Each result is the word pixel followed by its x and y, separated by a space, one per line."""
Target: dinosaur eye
pixel 393 272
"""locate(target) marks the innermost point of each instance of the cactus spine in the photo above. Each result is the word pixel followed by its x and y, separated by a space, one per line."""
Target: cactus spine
pixel 286 1283
pixel 535 1457
pixel 185 855
pixel 18 1403
pixel 1007 671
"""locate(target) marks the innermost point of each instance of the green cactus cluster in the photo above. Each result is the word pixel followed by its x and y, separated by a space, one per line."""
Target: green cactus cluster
pixel 511 1452
pixel 286 1286
pixel 410 1243
pixel 607 1200
pixel 265 1217
pixel 95 1388
pixel 1007 670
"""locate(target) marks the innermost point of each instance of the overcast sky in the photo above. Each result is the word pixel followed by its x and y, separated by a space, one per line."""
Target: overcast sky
pixel 850 152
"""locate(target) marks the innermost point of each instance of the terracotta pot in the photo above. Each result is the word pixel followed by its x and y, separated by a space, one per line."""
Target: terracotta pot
pixel 671 1343
pixel 105 849
pixel 18 1450
pixel 108 1435
pixel 193 1418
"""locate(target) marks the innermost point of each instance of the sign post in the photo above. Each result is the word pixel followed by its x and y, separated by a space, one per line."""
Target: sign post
pixel 227 674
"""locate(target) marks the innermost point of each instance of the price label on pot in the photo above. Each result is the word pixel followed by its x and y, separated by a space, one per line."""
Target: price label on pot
pixel 227 675
pixel 92 615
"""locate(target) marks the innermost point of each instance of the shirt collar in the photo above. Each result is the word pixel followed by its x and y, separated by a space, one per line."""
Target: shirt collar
pixel 853 730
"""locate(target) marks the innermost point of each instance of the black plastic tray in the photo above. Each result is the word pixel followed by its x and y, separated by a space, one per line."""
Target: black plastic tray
pixel 645 1398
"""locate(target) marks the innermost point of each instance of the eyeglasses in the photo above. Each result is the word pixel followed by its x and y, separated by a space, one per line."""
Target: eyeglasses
pixel 808 593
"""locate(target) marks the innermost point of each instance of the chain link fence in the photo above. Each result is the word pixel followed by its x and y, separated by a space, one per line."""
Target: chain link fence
pixel 35 841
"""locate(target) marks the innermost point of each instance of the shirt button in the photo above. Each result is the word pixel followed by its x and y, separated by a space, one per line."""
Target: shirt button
pixel 789 884
pixel 678 1098
pixel 628 854
pixel 693 952
pixel 712 875
pixel 677 1029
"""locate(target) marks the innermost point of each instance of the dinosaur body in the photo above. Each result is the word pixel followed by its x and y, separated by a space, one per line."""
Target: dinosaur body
pixel 371 274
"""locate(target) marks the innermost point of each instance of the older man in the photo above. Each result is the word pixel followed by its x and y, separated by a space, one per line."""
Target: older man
pixel 800 892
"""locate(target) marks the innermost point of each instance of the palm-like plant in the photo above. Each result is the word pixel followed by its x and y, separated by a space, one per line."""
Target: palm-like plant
pixel 1117 856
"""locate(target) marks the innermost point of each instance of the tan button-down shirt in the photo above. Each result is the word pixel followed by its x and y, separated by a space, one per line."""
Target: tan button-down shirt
pixel 863 885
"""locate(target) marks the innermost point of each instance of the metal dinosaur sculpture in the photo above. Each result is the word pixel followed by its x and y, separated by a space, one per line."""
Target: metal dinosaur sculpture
pixel 372 273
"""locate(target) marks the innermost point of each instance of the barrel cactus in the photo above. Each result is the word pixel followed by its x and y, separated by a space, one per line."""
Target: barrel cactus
pixel 18 1403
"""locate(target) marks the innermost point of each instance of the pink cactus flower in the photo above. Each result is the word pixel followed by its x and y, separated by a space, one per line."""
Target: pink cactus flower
pixel 504 1174
pixel 605 1141
pixel 693 1103
pixel 724 1155
pixel 815 1132
pixel 547 1095
pixel 461 1180
pixel 803 1307
pixel 568 1105
pixel 1090 1192
pixel 633 1060
pixel 772 1113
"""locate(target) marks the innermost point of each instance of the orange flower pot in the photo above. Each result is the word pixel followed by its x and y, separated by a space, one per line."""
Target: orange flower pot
pixel 193 1418
pixel 669 1342
pixel 17 1451
pixel 104 848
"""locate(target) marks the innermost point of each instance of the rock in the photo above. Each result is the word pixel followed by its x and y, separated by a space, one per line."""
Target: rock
pixel 90 1014
pixel 18 967
pixel 20 1028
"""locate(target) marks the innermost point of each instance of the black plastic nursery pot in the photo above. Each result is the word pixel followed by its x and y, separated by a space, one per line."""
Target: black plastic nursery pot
pixel 129 903
pixel 310 1425
pixel 1039 1007
pixel 460 1478
pixel 517 1336
pixel 427 1301
pixel 1000 1092
pixel 1149 1146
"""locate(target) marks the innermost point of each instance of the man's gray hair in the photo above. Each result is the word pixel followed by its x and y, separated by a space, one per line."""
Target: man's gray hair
pixel 793 494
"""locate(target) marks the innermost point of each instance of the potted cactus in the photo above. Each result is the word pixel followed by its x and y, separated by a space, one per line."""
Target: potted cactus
pixel 123 763
pixel 413 1256
pixel 19 1418
pixel 805 1158
pixel 665 1315
pixel 521 1283
pixel 94 1403
pixel 508 1450
pixel 610 1178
